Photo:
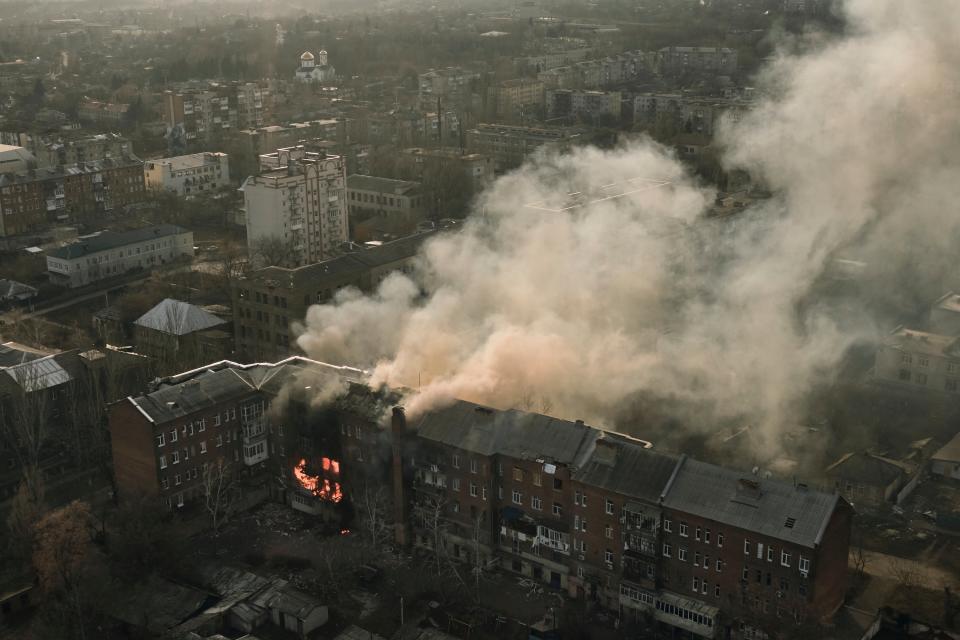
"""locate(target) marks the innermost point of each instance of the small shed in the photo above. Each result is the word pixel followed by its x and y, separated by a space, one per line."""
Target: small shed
pixel 296 611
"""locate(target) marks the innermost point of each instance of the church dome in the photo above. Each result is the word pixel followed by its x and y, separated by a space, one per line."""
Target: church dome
pixel 306 56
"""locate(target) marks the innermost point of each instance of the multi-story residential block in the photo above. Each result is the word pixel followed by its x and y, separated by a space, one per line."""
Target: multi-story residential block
pixel 250 144
pixel 222 416
pixel 111 253
pixel 679 60
pixel 597 74
pixel 454 86
pixel 477 167
pixel 691 114
pixel 382 205
pixel 515 100
pixel 920 361
pixel 210 111
pixel 697 548
pixel 61 150
pixel 103 112
pixel 33 199
pixel 510 145
pixel 747 557
pixel 301 205
pixel 587 105
pixel 188 175
pixel 267 301
pixel 640 532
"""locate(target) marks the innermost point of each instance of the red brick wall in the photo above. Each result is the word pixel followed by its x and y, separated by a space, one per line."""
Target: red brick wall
pixel 134 460
pixel 829 572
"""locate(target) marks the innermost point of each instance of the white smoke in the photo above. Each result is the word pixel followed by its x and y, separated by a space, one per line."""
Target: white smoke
pixel 578 312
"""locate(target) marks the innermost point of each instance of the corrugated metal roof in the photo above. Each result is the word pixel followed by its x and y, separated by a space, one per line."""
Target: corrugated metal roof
pixel 178 318
pixel 719 494
pixel 525 436
pixel 38 374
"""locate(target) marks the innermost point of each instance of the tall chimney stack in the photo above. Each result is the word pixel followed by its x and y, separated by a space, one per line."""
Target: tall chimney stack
pixel 398 429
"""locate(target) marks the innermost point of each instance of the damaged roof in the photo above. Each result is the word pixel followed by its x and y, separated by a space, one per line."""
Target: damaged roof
pixel 223 381
pixel 526 436
pixel 769 507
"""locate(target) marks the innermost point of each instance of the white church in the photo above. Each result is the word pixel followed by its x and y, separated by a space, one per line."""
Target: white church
pixel 315 69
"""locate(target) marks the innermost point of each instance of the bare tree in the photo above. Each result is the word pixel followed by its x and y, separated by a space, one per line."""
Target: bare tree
pixel 374 509
pixel 429 511
pixel 219 490
pixel 24 420
pixel 272 251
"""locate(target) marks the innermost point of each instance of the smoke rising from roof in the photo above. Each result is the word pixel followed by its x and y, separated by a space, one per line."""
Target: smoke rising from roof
pixel 577 312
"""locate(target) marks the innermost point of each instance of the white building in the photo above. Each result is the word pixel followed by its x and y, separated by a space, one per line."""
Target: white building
pixel 946 461
pixel 919 360
pixel 188 175
pixel 301 206
pixel 315 68
pixel 109 253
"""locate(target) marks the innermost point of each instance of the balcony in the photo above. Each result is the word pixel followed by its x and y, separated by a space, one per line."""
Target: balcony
pixel 639 545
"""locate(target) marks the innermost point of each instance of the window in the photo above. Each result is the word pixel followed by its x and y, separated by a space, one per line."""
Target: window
pixel 904 374
pixel 785 558
pixel 706 536
pixel 537 479
pixel 173 436
pixel 177 480
pixel 716 591
pixel 558 485
pixel 456 506
pixel 668 526
pixel 580 545
pixel 696 558
pixel 203 446
pixel 683 529
pixel 950 384
pixel 517 497
pixel 608 532
pixel 518 474
pixel 163 462
pixel 216 420
pixel 455 484
pixel 557 509
pixel 473 466
pixel 608 556
pixel 202 425
pixel 667 550
pixel 698 534
pixel 769 554
pixel 924 361
pixel 455 461
pixel 719 565
pixel 803 564
pixel 220 443
pixel 682 554
pixel 160 440
pixel 719 539
pixel 704 587
pixel 746 547
pixel 164 484
pixel 536 503
pixel 473 490
pixel 175 457
pixel 921 378
pixel 696 584
pixel 759 551
pixel 609 507
pixel 483 493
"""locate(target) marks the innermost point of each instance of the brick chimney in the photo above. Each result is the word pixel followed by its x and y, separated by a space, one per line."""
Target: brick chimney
pixel 398 429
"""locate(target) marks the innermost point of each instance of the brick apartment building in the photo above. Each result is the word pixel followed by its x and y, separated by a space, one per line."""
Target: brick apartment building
pixel 688 546
pixel 35 199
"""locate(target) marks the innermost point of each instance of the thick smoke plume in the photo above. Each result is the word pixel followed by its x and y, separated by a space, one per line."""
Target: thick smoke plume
pixel 581 311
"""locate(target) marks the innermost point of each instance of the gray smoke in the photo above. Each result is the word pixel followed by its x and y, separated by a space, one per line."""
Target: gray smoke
pixel 578 312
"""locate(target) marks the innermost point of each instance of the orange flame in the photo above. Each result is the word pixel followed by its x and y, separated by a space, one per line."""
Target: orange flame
pixel 323 489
